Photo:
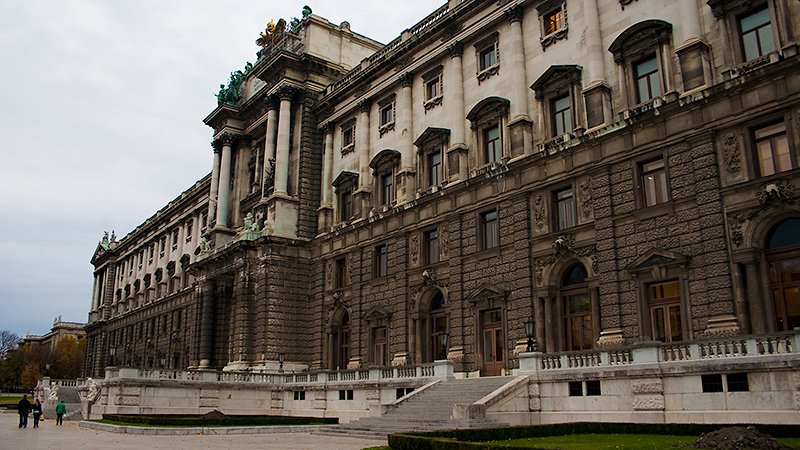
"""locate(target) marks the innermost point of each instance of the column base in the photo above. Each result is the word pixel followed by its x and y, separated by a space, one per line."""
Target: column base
pixel 281 216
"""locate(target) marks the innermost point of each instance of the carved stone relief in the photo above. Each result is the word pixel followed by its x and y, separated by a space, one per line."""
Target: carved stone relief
pixel 414 249
pixel 585 193
pixel 538 211
pixel 773 195
pixel 444 239
pixel 731 154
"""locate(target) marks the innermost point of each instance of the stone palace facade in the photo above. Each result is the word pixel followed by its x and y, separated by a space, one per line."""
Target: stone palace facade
pixel 620 172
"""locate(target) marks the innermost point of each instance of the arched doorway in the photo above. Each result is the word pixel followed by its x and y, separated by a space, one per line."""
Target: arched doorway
pixel 438 321
pixel 577 308
pixel 783 267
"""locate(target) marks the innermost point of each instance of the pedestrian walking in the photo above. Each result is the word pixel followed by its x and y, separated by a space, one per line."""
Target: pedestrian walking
pixel 61 409
pixel 37 412
pixel 23 407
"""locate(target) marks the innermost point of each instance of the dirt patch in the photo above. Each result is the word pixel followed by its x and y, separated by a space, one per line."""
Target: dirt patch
pixel 215 415
pixel 737 438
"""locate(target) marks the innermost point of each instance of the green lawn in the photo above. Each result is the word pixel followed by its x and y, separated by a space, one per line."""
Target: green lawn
pixel 613 442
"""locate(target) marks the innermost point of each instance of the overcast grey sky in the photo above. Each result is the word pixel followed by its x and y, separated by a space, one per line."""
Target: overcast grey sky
pixel 101 114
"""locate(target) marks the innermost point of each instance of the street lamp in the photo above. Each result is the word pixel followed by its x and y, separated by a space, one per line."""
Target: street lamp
pixel 111 352
pixel 530 329
pixel 281 359
pixel 47 370
pixel 163 360
pixel 444 336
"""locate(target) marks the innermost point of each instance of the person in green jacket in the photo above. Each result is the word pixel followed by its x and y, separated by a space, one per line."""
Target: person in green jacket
pixel 61 409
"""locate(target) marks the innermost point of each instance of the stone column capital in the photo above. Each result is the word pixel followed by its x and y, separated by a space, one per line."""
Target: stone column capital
pixel 514 14
pixel 406 79
pixel 365 105
pixel 456 49
pixel 225 139
pixel 286 93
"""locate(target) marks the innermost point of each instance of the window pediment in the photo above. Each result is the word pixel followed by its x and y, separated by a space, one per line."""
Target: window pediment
pixel 432 135
pixel 656 261
pixel 556 79
pixel 378 312
pixel 640 38
pixel 488 291
pixel 488 111
pixel 345 180
pixel 385 161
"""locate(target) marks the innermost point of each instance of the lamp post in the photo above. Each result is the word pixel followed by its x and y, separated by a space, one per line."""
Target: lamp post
pixel 163 360
pixel 444 336
pixel 281 359
pixel 530 327
pixel 111 352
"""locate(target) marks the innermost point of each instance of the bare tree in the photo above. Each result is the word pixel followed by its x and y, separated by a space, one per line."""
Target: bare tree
pixel 8 341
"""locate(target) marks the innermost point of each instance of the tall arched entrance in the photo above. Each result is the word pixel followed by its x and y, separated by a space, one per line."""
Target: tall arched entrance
pixel 783 268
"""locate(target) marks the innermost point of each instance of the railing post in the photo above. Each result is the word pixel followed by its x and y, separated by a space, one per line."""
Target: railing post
pixel 752 346
pixel 443 370
pixel 796 341
pixel 529 363
pixel 694 351
pixel 647 352
pixel 375 373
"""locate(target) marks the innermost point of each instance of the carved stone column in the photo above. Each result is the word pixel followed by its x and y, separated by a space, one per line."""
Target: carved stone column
pixel 206 324
pixel 520 124
pixel 213 192
pixel 269 149
pixel 227 141
pixel 407 170
pixel 361 196
pixel 282 147
pixel 597 95
pixel 325 211
pixel 457 153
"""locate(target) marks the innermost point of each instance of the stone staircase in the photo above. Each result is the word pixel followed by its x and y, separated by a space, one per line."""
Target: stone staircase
pixel 70 397
pixel 429 410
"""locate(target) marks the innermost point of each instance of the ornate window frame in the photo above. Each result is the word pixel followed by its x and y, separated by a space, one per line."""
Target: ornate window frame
pixel 489 113
pixel 751 149
pixel 348 136
pixel 387 104
pixel 433 77
pixel 730 12
pixel 555 83
pixel 546 10
pixel 490 43
pixel 385 163
pixel 431 141
pixel 639 42
pixel 344 184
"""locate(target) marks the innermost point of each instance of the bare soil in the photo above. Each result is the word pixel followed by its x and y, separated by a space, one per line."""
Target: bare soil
pixel 213 415
pixel 737 438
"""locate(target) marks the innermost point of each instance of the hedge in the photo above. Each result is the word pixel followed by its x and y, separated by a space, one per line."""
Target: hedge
pixel 476 438
pixel 199 421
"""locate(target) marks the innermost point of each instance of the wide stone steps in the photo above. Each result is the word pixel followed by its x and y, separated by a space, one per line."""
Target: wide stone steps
pixel 428 410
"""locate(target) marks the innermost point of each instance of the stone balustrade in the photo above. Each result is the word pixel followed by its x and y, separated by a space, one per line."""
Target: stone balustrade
pixel 739 348
pixel 437 370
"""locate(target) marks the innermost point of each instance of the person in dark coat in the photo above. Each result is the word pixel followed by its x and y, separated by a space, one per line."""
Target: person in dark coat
pixel 37 412
pixel 23 407
pixel 61 409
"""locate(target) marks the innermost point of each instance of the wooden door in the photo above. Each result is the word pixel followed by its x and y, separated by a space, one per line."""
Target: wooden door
pixel 492 341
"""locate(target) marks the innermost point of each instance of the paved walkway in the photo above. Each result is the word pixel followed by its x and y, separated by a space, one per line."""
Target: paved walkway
pixel 71 436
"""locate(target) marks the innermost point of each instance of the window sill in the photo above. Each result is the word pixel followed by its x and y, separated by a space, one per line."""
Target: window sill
pixel 348 149
pixel 488 72
pixel 386 128
pixel 553 37
pixel 432 103
pixel 487 253
pixel 648 212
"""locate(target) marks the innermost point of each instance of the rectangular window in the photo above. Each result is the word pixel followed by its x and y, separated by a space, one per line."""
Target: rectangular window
pixel 756 34
pixel 491 144
pixel 346 394
pixel 162 246
pixel 488 58
pixel 712 383
pixel 299 395
pixel 772 149
pixel 665 311
pixel 381 265
pixel 647 79
pixel 345 205
pixel 204 221
pixel 562 116
pixel 654 182
pixel 430 254
pixel 340 275
pixel 575 389
pixel 401 392
pixel 387 189
pixel 379 346
pixel 553 21
pixel 593 387
pixel 737 382
pixel 387 114
pixel 435 169
pixel 189 226
pixel 348 136
pixel 490 237
pixel 565 208
pixel 433 89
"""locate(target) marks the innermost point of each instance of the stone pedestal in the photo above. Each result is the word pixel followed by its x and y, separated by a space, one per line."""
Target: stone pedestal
pixel 695 65
pixel 281 216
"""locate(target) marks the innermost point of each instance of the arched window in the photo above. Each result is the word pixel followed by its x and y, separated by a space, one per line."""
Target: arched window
pixel 438 321
pixel 577 308
pixel 344 341
pixel 783 265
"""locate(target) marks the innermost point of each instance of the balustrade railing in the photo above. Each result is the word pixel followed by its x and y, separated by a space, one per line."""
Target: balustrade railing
pixel 657 352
